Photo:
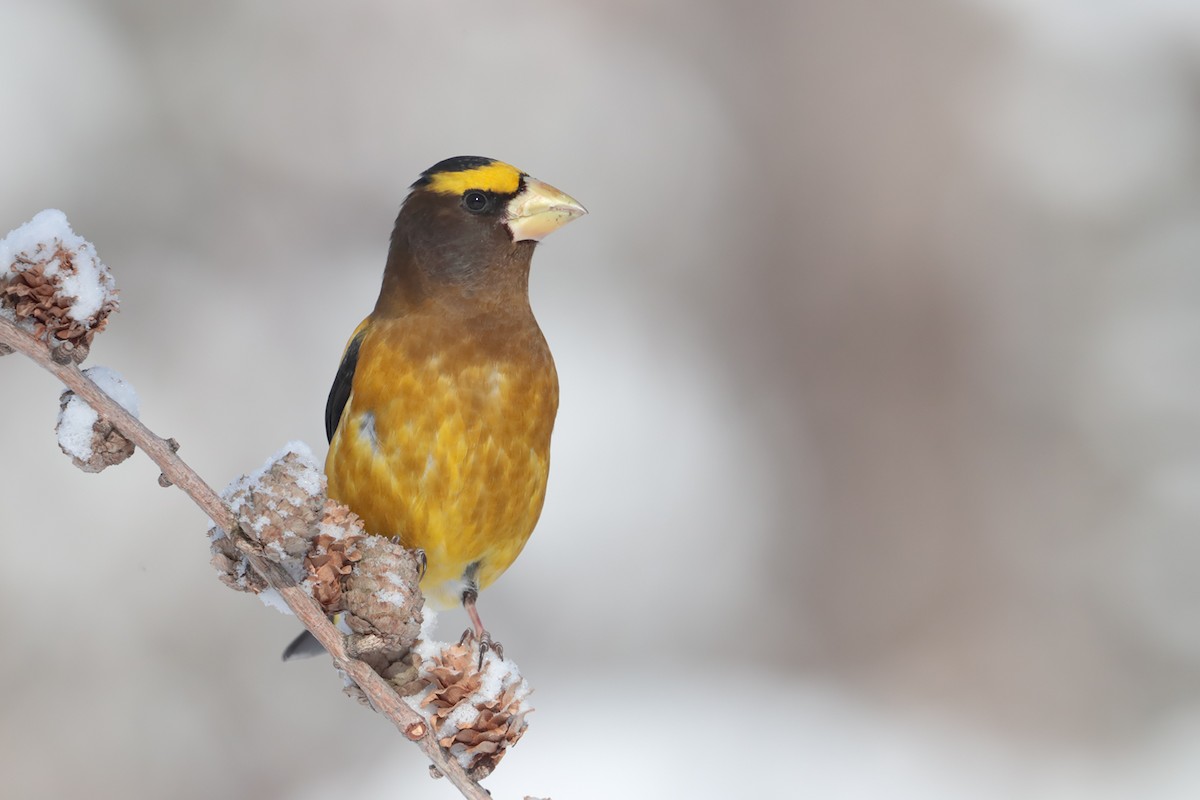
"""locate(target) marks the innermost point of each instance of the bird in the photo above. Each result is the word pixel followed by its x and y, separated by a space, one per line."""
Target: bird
pixel 441 412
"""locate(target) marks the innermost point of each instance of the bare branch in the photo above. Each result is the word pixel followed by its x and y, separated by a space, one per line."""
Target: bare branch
pixel 175 471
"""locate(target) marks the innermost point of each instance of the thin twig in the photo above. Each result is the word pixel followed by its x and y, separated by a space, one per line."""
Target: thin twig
pixel 381 695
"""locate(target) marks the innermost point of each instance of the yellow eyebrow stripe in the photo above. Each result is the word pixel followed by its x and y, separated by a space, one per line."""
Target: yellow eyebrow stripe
pixel 495 177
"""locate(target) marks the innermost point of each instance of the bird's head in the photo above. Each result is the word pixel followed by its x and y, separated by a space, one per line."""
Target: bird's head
pixel 468 219
pixel 489 192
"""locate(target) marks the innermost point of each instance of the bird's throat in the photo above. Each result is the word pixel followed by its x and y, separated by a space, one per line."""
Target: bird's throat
pixel 467 280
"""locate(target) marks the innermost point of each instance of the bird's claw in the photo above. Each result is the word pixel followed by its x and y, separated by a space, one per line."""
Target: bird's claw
pixel 485 641
pixel 486 644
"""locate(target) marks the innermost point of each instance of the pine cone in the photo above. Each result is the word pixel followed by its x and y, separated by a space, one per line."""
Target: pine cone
pixel 371 580
pixel 379 595
pixel 106 446
pixel 91 441
pixel 333 554
pixel 476 715
pixel 278 506
pixel 53 284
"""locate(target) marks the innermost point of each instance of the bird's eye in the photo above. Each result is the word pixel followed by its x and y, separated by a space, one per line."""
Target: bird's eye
pixel 475 201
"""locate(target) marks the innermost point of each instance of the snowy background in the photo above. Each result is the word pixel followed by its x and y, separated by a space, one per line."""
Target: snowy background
pixel 877 470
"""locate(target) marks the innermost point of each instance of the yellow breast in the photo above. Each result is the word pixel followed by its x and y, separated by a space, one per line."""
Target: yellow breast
pixel 445 444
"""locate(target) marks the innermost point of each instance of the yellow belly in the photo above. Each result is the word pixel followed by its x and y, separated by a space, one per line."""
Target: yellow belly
pixel 449 452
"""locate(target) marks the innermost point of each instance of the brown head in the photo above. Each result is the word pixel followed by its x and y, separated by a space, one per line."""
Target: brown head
pixel 467 230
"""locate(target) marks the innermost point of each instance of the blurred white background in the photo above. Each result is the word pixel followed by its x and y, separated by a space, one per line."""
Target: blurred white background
pixel 876 473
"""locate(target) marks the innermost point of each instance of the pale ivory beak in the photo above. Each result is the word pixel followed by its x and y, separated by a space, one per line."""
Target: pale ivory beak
pixel 539 210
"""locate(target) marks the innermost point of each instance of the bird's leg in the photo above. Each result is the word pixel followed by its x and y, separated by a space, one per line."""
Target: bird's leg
pixel 479 634
pixel 468 600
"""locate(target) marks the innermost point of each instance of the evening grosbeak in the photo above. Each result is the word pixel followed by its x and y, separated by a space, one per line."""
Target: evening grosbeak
pixel 440 414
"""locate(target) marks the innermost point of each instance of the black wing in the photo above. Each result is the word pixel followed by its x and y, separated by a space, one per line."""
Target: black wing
pixel 339 393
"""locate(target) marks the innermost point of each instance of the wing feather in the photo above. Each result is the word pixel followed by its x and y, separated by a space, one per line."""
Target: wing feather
pixel 339 393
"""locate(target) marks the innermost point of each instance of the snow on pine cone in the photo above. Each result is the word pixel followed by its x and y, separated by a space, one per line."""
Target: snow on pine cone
pixel 378 595
pixel 476 714
pixel 54 285
pixel 277 506
pixel 90 440
pixel 369 580
pixel 475 710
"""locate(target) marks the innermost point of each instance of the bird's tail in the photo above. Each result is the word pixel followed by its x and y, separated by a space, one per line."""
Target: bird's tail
pixel 303 646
